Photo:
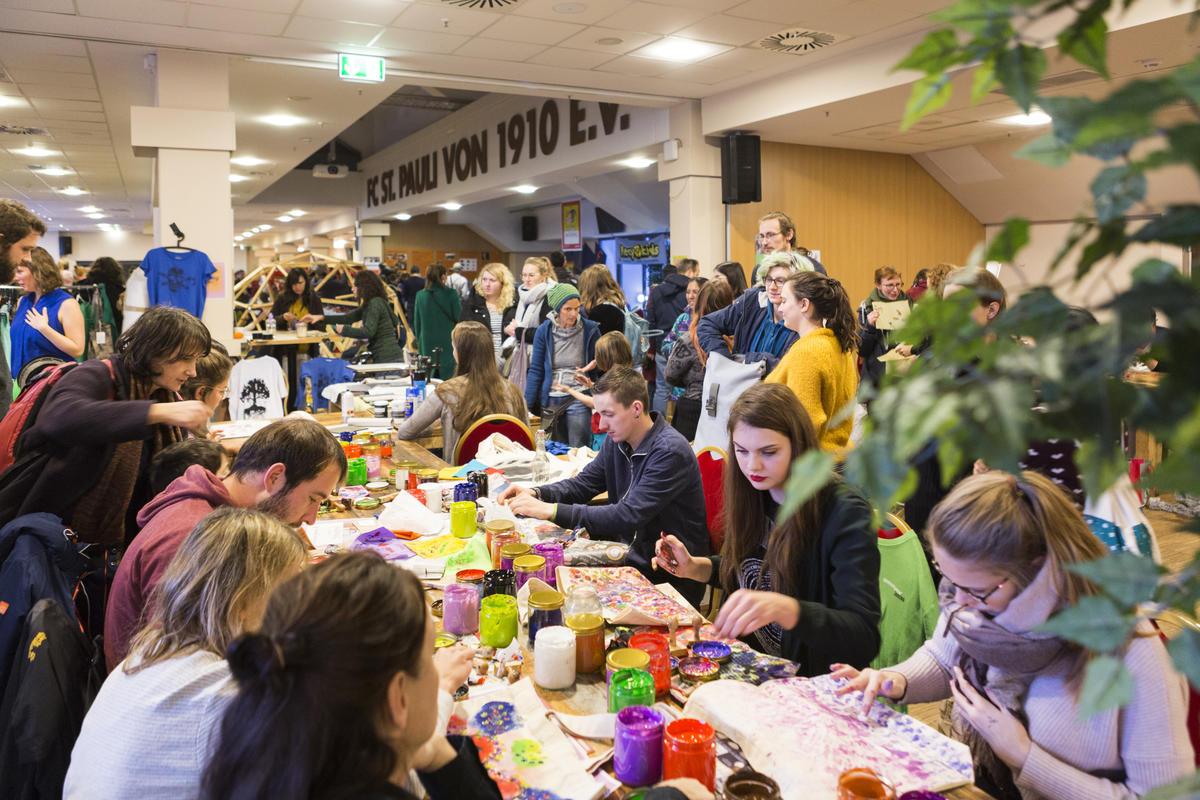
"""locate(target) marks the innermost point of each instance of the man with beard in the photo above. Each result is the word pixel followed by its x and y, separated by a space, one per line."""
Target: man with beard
pixel 286 470
pixel 19 234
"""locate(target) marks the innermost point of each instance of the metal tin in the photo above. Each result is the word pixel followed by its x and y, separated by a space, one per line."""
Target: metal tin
pixel 717 651
pixel 699 669
pixel 368 503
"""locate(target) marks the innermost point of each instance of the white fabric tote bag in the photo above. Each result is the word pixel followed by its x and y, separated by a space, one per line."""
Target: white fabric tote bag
pixel 724 381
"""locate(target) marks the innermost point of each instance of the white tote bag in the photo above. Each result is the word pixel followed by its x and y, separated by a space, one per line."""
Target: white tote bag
pixel 724 381
pixel 1117 519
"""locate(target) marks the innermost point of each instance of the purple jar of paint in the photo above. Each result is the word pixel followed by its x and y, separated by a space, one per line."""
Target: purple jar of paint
pixel 460 609
pixel 465 491
pixel 553 553
pixel 638 746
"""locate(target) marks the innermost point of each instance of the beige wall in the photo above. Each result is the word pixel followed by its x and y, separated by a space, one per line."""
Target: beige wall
pixel 425 240
pixel 860 209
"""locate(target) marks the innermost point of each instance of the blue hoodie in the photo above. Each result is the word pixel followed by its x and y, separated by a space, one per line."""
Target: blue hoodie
pixel 743 320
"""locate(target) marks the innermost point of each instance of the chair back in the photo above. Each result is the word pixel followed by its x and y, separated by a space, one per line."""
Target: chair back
pixel 712 478
pixel 482 428
pixel 1171 623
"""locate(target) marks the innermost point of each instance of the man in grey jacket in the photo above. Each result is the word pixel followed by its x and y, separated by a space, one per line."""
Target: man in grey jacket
pixel 649 472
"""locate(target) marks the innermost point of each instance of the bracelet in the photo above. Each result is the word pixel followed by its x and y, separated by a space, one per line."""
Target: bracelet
pixel 537 492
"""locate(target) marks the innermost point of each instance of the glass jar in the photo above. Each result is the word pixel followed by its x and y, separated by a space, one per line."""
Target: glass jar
pixel 553 553
pixel 406 474
pixel 630 687
pixel 499 533
pixel 746 784
pixel 626 658
pixel 545 610
pixel 582 599
pixel 499 581
pixel 589 642
pixel 655 645
pixel 460 609
pixel 385 446
pixel 498 621
pixel 864 783
pixel 690 751
pixel 356 472
pixel 374 459
pixel 511 552
pixel 462 519
pixel 554 657
pixel 638 746
pixel 526 567
pixel 466 491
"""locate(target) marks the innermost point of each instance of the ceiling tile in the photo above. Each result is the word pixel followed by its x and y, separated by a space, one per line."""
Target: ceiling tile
pixel 70 114
pixel 538 31
pixel 46 105
pixel 420 41
pixel 331 32
pixel 372 12
pixel 52 91
pixel 749 59
pixel 34 63
pixel 51 6
pixel 465 21
pixel 594 11
pixel 223 19
pixel 278 6
pixel 636 65
pixel 654 18
pixel 712 6
pixel 728 30
pixel 12 44
pixel 162 12
pixel 588 39
pixel 566 58
pixel 76 79
pixel 499 50
pixel 764 10
pixel 701 73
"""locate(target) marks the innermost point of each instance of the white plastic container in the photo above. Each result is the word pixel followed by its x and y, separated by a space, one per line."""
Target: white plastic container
pixel 554 658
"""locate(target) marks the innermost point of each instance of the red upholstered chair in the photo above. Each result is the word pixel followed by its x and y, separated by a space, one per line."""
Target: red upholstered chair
pixel 712 476
pixel 484 427
pixel 1169 623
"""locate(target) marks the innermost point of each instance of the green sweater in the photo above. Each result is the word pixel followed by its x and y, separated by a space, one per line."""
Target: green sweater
pixel 908 599
pixel 378 327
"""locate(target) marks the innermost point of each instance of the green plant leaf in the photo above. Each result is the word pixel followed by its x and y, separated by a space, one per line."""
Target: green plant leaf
pixel 1019 69
pixel 1183 789
pixel 1094 622
pixel 1047 150
pixel 988 20
pixel 983 80
pixel 936 53
pixel 1185 654
pixel 1116 190
pixel 1180 226
pixel 809 473
pixel 928 95
pixel 1106 685
pixel 1110 241
pixel 1187 78
pixel 1128 578
pixel 1085 39
pixel 1009 241
pixel 1185 144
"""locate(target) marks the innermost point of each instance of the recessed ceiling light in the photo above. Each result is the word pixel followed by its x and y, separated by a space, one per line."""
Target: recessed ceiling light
pixel 524 188
pixel 568 8
pixel 246 234
pixel 89 209
pixel 297 212
pixel 284 218
pixel 609 41
pixel 1034 117
pixel 247 161
pixel 451 206
pixel 339 244
pixel 256 229
pixel 97 216
pixel 282 120
pixel 264 227
pixel 676 48
pixel 54 172
pixel 404 216
pixel 74 191
pixel 35 151
pixel 8 101
pixel 235 178
pixel 238 238
pixel 638 162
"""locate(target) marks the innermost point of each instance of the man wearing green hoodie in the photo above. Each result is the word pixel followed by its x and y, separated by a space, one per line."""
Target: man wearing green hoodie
pixel 889 288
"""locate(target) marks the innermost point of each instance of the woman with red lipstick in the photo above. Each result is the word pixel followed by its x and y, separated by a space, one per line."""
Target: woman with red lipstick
pixel 807 587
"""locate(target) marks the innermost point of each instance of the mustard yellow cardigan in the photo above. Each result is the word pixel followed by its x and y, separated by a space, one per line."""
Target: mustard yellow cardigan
pixel 825 378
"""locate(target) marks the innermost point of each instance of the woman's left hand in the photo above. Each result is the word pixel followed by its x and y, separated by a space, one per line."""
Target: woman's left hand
pixel 747 610
pixel 38 320
pixel 995 723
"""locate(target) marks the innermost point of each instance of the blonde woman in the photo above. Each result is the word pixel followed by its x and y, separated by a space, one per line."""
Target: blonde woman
pixel 492 303
pixel 603 300
pixel 537 276
pixel 151 729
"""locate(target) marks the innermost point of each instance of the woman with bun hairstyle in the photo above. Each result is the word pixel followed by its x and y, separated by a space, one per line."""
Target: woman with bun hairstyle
pixel 1005 544
pixel 151 729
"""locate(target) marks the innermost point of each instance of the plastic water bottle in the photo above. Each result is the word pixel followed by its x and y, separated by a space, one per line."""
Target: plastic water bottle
pixel 347 407
pixel 271 325
pixel 541 468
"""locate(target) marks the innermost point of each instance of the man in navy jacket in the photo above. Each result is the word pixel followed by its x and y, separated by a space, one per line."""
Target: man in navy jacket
pixel 649 472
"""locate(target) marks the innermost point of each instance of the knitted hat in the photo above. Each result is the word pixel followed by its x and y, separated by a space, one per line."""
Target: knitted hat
pixel 560 293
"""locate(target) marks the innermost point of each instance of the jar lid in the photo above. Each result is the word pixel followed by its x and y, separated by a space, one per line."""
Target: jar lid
pixel 499 526
pixel 554 636
pixel 408 465
pixel 699 669
pixel 546 600
pixel 528 563
pixel 469 576
pixel 427 472
pixel 514 550
pixel 377 486
pixel 585 623
pixel 367 503
pixel 444 640
pixel 628 658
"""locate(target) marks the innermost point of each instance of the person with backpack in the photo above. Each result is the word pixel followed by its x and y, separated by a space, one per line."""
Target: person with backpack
pixel 667 301
pixel 378 323
pixel 435 314
pixel 603 300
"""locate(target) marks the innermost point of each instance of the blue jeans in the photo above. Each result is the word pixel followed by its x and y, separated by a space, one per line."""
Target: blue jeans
pixel 662 389
pixel 577 422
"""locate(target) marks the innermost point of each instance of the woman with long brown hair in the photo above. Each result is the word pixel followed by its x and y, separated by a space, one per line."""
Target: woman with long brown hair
pixel 686 363
pixel 602 298
pixel 1005 544
pixel 48 320
pixel 807 587
pixel 476 390
pixel 377 322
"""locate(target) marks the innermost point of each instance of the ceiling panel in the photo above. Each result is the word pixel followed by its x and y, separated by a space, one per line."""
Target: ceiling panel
pixel 501 51
pixel 223 19
pixel 36 63
pixel 53 6
pixel 594 10
pixel 21 75
pixel 161 12
pixel 636 65
pixel 654 18
pixel 53 91
pixel 69 114
pixel 372 12
pixel 15 43
pixel 710 6
pixel 729 30
pixel 462 21
pixel 589 39
pixel 420 41
pixel 539 31
pixel 748 59
pixel 331 31
pixel 46 105
pixel 278 6
pixel 566 58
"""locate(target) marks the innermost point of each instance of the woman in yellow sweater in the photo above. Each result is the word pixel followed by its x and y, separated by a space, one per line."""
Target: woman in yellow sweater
pixel 822 366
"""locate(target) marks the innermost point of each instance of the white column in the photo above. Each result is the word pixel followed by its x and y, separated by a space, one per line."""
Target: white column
pixel 371 236
pixel 696 212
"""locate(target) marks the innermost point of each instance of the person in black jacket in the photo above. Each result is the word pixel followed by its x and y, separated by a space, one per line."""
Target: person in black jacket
pixel 106 272
pixel 806 589
pixel 411 285
pixel 492 303
pixel 667 301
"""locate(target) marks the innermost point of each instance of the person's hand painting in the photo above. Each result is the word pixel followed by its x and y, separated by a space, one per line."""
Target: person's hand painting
pixel 190 414
pixel 747 610
pixel 453 666
pixel 38 320
pixel 512 491
pixel 995 723
pixel 527 505
pixel 672 556
pixel 871 682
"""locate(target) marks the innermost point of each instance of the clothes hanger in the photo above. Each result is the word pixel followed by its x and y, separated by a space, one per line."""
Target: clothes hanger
pixel 178 246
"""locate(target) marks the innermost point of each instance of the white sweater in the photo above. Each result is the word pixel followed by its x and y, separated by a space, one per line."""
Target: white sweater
pixel 1147 739
pixel 150 734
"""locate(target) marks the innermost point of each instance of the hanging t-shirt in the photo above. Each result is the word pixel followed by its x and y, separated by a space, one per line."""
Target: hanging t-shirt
pixel 178 279
pixel 256 389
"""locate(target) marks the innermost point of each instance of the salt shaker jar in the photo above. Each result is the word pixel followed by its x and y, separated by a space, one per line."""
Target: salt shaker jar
pixel 554 658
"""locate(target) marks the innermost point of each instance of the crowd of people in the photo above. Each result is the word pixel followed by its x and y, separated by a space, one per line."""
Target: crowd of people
pixel 234 669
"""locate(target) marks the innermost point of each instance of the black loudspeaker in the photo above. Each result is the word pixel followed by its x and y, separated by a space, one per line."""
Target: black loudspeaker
pixel 529 229
pixel 64 245
pixel 741 180
pixel 607 224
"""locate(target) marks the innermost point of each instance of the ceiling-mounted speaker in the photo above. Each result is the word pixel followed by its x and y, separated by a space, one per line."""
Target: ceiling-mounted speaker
pixel 529 229
pixel 741 178
pixel 65 245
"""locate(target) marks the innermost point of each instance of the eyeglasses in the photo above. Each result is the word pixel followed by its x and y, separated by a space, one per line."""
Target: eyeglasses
pixel 222 393
pixel 892 285
pixel 762 237
pixel 778 282
pixel 982 598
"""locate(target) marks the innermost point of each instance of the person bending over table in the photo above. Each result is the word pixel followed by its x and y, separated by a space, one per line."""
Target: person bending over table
pixel 806 589
pixel 1004 545
pixel 379 325
pixel 649 472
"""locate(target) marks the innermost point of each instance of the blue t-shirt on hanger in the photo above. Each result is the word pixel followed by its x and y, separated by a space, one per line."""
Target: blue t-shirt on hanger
pixel 178 279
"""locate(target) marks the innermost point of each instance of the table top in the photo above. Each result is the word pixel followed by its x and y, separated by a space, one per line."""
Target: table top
pixel 382 366
pixel 285 337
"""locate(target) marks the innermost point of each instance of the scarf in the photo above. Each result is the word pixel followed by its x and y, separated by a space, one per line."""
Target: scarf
pixel 1002 653
pixel 531 302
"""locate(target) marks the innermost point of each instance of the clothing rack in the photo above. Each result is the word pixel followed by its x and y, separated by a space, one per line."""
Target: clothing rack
pixel 13 292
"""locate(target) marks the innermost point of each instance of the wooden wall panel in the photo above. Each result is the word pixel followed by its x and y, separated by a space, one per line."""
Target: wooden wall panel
pixel 424 240
pixel 861 210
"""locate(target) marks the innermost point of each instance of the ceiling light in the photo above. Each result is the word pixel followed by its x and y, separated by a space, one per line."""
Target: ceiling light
pixel 255 229
pixel 1034 117
pixel 525 188
pixel 89 209
pixel 339 244
pixel 451 206
pixel 676 48
pixel 246 234
pixel 54 172
pixel 284 218
pixel 96 216
pixel 35 151
pixel 609 41
pixel 264 227
pixel 238 238
pixel 404 216
pixel 8 101
pixel 297 212
pixel 235 178
pixel 247 161
pixel 282 120
pixel 638 162
pixel 72 190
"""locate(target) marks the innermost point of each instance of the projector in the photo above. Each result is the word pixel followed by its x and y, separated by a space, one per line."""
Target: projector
pixel 330 171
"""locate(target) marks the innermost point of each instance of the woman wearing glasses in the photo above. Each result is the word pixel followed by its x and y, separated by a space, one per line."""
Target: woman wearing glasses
pixel 211 382
pixel 1004 545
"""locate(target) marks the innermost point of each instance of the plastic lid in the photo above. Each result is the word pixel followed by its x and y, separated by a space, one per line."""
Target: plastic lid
pixel 528 563
pixel 585 623
pixel 546 600
pixel 628 658
pixel 514 550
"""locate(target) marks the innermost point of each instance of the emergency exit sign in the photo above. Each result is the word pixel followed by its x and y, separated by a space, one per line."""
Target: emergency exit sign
pixel 360 68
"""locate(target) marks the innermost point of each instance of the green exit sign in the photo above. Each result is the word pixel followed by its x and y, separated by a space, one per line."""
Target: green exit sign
pixel 360 68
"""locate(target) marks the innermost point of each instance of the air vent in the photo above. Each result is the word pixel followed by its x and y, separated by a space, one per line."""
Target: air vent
pixel 481 3
pixel 798 41
pixel 22 130
pixel 1060 80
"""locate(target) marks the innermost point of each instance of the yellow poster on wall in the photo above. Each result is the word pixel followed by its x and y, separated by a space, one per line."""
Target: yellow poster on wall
pixel 572 234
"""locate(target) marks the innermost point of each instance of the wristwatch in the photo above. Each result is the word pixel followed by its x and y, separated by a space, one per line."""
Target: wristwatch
pixel 537 492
